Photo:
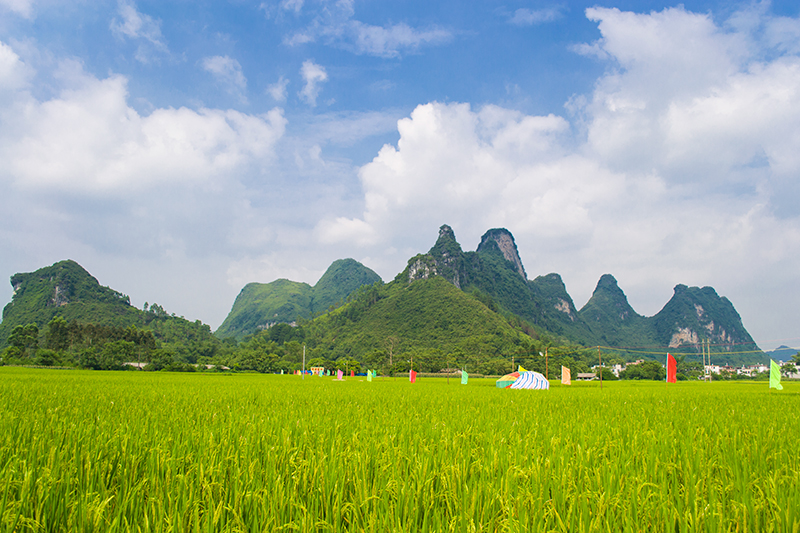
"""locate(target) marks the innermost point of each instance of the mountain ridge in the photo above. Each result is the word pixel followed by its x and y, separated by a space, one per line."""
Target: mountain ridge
pixel 259 305
pixel 691 316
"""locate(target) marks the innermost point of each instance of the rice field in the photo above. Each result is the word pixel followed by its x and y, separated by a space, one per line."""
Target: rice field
pixel 136 451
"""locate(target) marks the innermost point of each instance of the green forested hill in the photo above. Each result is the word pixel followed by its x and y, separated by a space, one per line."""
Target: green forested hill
pixel 427 318
pixel 259 305
pixel 65 289
pixel 694 314
pixel 612 321
pixel 342 278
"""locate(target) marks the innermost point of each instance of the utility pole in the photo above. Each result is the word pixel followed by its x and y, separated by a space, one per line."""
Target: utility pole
pixel 708 344
pixel 601 366
pixel 546 364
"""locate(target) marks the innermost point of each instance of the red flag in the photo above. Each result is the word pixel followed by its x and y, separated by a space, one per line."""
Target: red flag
pixel 412 376
pixel 672 369
pixel 352 373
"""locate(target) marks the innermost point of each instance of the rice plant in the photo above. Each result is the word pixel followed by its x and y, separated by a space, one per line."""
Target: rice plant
pixel 128 451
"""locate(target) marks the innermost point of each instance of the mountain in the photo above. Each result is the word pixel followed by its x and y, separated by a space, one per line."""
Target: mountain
pixel 496 271
pixel 611 320
pixel 782 353
pixel 694 314
pixel 426 319
pixel 67 290
pixel 259 305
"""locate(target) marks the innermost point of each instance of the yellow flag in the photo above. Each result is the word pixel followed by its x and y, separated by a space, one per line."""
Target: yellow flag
pixel 521 370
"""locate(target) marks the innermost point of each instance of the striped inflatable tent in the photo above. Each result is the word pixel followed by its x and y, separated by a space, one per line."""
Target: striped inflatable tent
pixel 531 380
pixel 507 380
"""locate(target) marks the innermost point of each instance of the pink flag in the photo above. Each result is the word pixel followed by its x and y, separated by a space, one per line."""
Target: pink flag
pixel 412 376
pixel 339 375
pixel 672 369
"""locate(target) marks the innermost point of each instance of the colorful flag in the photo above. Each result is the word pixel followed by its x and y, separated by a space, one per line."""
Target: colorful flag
pixel 774 375
pixel 412 376
pixel 339 375
pixel 464 377
pixel 521 370
pixel 369 376
pixel 672 369
pixel 566 376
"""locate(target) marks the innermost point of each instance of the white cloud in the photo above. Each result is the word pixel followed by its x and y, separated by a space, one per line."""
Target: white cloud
pixel 292 5
pixel 228 73
pixel 684 171
pixel 14 74
pixel 529 17
pixel 278 90
pixel 139 27
pixel 23 8
pixel 389 41
pixel 313 76
pixel 335 26
pixel 154 205
pixel 116 149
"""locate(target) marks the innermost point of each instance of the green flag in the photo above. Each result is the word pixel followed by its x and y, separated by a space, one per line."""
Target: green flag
pixel 369 375
pixel 464 377
pixel 774 375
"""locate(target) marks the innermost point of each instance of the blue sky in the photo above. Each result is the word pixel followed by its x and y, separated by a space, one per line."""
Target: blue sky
pixel 180 149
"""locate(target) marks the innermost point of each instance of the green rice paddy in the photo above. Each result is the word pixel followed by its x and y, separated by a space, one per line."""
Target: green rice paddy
pixel 136 451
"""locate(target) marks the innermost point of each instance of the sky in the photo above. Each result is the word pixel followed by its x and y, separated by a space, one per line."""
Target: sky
pixel 180 149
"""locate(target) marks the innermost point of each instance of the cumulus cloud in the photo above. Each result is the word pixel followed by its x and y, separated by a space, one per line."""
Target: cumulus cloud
pixel 156 200
pixel 313 76
pixel 683 170
pixel 140 27
pixel 116 149
pixel 228 72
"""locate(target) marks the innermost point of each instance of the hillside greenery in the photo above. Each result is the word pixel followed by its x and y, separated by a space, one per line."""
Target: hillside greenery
pixel 63 301
pixel 260 305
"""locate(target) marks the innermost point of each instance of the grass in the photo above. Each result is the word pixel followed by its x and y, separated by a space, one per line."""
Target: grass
pixel 130 451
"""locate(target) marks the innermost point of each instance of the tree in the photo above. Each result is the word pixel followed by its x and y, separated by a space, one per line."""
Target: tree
pixel 115 353
pixel 294 351
pixel 57 336
pixel 644 370
pixel 25 339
